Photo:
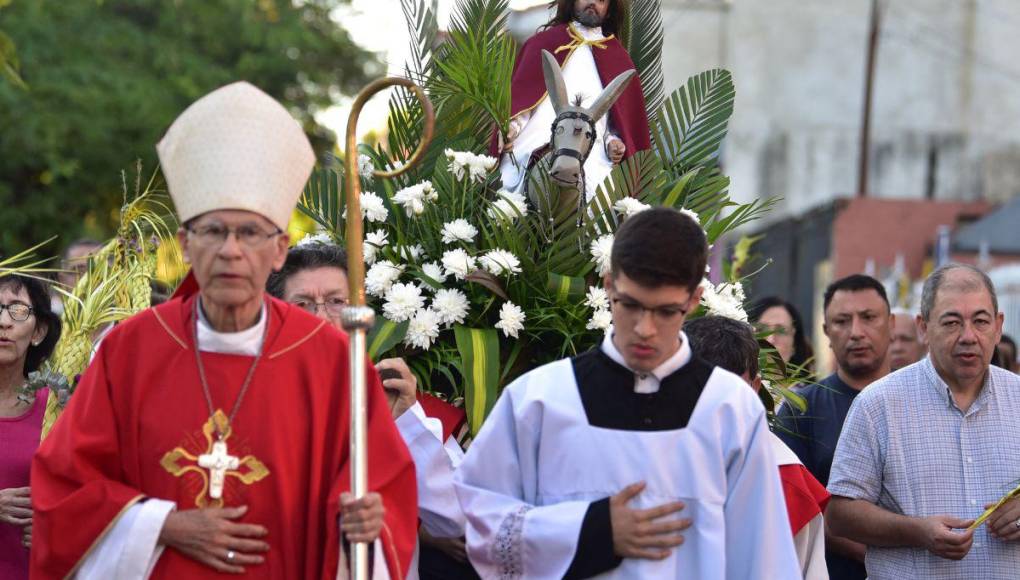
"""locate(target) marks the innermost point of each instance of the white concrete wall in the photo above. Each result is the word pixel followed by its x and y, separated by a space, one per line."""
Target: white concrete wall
pixel 946 116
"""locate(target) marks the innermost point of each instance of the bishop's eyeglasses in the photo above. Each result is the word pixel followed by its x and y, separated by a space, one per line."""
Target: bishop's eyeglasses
pixel 18 312
pixel 251 236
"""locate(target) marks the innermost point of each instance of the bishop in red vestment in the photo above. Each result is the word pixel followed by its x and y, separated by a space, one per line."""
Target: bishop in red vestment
pixel 210 434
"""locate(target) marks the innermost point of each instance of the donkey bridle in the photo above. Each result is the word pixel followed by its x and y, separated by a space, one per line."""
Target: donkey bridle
pixel 581 157
pixel 591 134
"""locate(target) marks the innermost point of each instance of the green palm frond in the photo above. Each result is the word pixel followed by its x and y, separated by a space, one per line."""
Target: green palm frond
pixel 322 199
pixel 422 26
pixel 689 129
pixel 643 41
pixel 26 263
pixel 475 64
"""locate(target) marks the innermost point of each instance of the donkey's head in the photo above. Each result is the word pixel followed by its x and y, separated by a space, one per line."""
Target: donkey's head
pixel 573 131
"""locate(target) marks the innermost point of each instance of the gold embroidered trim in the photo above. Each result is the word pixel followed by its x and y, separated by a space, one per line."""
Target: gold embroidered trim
pixel 100 537
pixel 166 327
pixel 171 462
pixel 300 342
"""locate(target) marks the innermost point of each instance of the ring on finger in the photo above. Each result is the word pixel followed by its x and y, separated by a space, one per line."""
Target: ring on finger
pixel 231 555
pixel 1016 524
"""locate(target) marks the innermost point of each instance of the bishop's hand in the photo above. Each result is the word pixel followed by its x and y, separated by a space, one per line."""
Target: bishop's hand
pixel 361 520
pixel 637 533
pixel 212 537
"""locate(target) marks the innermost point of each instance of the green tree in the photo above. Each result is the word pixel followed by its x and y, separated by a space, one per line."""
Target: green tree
pixel 106 78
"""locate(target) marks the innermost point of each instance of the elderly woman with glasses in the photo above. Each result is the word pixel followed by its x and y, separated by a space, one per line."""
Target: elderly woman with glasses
pixel 314 278
pixel 28 332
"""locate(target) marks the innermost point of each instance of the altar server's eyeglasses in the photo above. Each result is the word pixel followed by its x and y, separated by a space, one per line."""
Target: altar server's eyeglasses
pixel 19 312
pixel 661 314
pixel 333 306
pixel 217 234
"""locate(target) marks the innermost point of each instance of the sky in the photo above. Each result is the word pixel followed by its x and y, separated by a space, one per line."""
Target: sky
pixel 378 26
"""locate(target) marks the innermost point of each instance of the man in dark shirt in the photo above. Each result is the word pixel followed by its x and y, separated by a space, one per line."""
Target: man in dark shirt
pixel 858 323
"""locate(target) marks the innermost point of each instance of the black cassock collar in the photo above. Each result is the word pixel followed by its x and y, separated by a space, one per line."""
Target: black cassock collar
pixel 607 393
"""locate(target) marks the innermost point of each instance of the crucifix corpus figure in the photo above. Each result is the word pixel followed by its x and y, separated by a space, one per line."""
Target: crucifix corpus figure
pixel 582 36
pixel 218 462
pixel 210 434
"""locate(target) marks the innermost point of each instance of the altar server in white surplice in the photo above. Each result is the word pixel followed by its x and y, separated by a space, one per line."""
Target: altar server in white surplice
pixel 636 459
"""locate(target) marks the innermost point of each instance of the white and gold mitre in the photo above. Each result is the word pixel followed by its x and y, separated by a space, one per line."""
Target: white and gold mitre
pixel 236 148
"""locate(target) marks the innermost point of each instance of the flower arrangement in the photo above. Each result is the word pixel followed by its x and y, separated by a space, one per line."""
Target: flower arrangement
pixel 475 285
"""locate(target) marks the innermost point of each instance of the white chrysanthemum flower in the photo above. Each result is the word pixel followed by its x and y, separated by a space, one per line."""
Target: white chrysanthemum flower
pixel 451 305
pixel 411 253
pixel 374 242
pixel 402 301
pixel 365 167
pixel 372 207
pixel 381 276
pixel 413 198
pixel 597 298
pixel 601 252
pixel 629 206
pixel 458 263
pixel 724 300
pixel 691 214
pixel 423 329
pixel 435 271
pixel 508 206
pixel 459 230
pixel 498 262
pixel 601 319
pixel 321 239
pixel 465 163
pixel 511 319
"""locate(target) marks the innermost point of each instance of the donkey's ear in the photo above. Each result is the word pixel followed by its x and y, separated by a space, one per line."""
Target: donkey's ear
pixel 610 94
pixel 554 84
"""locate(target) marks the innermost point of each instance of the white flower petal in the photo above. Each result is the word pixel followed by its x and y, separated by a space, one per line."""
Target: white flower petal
pixel 601 252
pixel 511 319
pixel 458 263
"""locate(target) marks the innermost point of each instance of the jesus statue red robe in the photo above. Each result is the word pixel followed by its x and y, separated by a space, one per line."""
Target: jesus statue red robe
pixel 590 62
pixel 138 427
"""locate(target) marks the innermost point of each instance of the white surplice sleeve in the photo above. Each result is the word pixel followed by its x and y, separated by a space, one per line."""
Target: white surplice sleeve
pixel 758 539
pixel 131 549
pixel 434 464
pixel 508 535
pixel 810 545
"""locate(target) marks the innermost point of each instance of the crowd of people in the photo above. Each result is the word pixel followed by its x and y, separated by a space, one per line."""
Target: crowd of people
pixel 210 433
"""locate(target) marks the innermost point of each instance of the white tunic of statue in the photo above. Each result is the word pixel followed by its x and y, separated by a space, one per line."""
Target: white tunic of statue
pixel 530 475
pixel 581 78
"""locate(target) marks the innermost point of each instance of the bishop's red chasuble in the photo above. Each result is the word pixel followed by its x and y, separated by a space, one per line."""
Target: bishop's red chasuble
pixel 138 423
pixel 627 117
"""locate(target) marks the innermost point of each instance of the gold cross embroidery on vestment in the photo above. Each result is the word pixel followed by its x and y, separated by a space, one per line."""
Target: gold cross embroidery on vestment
pixel 216 464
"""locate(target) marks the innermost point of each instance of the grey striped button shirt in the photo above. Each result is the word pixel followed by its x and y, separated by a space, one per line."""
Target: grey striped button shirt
pixel 908 448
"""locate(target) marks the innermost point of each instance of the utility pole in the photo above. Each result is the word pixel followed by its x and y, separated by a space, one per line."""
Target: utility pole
pixel 869 81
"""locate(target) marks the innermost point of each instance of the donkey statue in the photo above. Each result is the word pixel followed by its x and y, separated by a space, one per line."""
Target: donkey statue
pixel 572 139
